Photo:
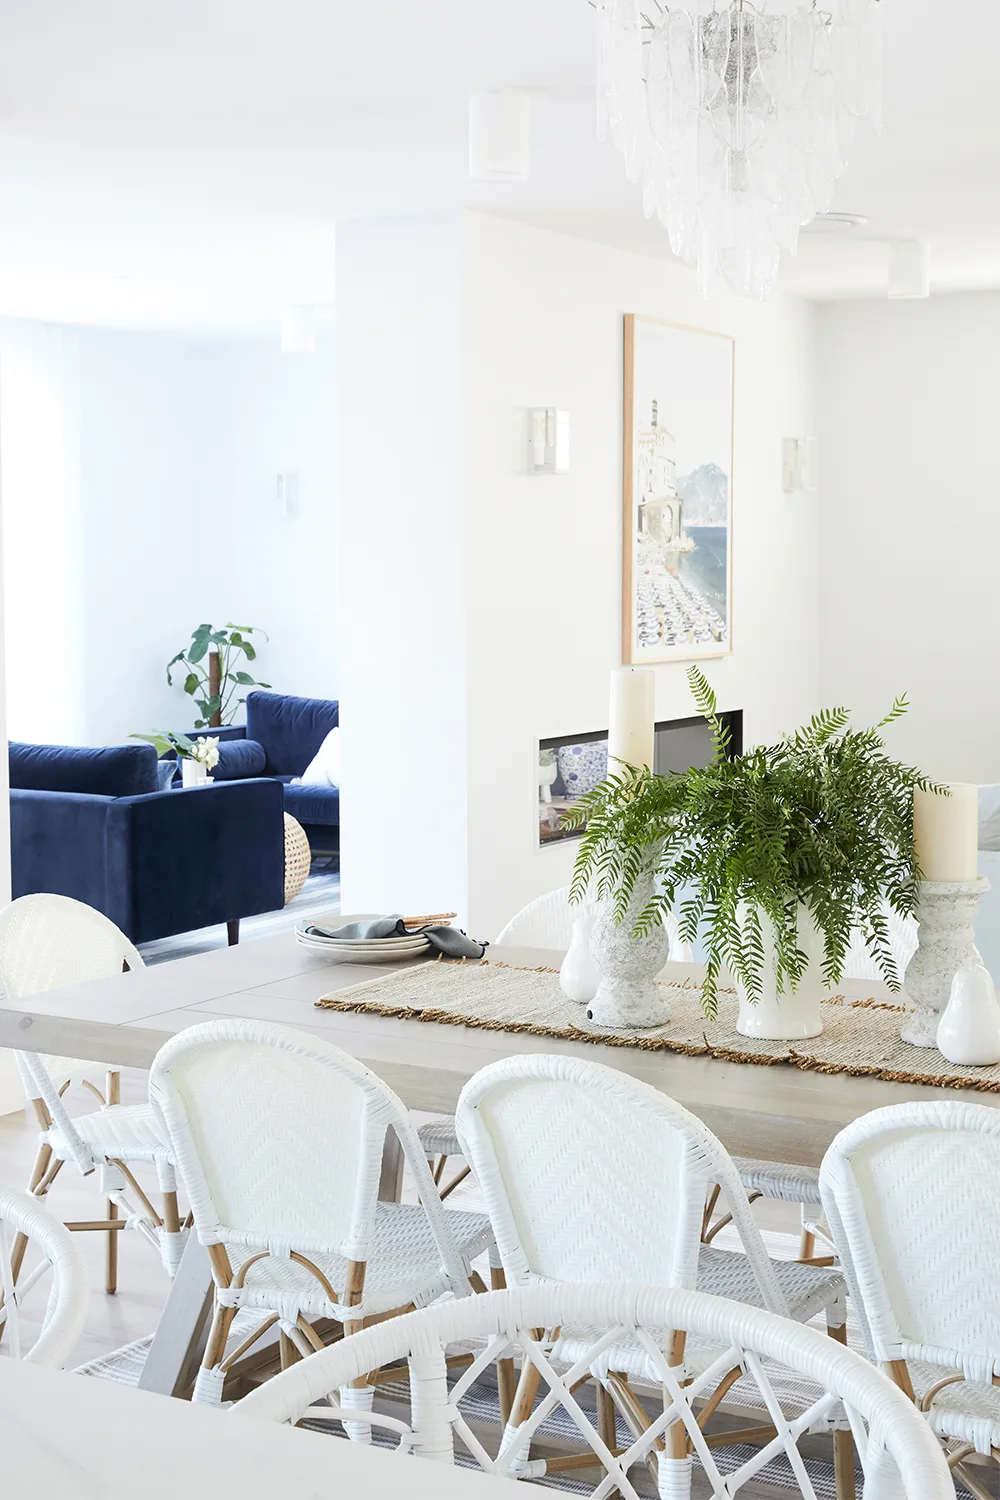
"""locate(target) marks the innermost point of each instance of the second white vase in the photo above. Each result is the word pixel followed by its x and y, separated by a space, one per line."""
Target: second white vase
pixel 782 1014
pixel 578 975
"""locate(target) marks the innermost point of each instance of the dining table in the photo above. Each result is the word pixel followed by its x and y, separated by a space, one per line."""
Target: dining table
pixel 67 1437
pixel 779 1112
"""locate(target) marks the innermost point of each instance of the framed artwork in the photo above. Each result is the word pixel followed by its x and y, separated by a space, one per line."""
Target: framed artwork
pixel 677 565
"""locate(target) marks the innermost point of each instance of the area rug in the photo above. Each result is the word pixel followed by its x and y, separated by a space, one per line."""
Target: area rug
pixel 860 1037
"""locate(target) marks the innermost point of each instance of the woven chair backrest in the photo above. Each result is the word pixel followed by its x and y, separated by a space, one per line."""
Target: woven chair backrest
pixel 45 1294
pixel 278 1136
pixel 897 1451
pixel 546 922
pixel 912 1195
pixel 50 941
pixel 590 1175
pixel 47 942
pixel 859 963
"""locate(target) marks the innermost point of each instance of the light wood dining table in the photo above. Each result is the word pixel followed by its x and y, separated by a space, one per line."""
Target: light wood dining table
pixel 64 1437
pixel 777 1112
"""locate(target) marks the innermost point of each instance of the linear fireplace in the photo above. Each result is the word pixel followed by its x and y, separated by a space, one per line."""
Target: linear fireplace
pixel 572 764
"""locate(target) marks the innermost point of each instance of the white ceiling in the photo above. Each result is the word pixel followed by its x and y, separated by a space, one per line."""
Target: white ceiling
pixel 184 164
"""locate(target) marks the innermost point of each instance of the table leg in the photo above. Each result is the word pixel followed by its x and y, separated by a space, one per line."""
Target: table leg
pixel 182 1332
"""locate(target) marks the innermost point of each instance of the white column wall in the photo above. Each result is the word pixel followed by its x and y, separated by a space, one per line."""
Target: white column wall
pixel 402 419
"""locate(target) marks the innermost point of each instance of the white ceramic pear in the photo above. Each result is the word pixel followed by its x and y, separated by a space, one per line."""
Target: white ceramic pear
pixel 579 975
pixel 969 1030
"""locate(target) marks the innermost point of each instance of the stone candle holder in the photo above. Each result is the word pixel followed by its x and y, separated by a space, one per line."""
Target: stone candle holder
pixel 946 912
pixel 628 997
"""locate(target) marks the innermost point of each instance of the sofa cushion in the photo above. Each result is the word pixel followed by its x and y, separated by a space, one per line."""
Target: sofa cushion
pixel 291 730
pixel 239 758
pixel 313 804
pixel 108 771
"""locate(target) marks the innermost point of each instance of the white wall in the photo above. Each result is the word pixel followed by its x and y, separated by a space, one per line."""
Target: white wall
pixel 139 475
pixel 525 597
pixel 544 553
pixel 910 529
pixel 403 556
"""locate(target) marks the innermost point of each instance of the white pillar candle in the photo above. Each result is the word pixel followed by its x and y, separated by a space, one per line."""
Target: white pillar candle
pixel 946 833
pixel 630 737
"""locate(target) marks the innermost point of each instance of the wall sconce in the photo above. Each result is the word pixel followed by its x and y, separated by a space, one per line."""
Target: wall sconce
pixel 800 465
pixel 548 440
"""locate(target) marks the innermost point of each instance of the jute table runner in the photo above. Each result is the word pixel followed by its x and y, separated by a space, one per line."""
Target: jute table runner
pixel 859 1037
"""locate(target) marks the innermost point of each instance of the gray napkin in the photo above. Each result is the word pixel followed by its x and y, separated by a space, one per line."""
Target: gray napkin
pixel 450 941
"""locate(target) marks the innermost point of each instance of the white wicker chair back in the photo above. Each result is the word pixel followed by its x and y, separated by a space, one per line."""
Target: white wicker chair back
pixel 46 942
pixel 50 941
pixel 547 922
pixel 590 1175
pixel 898 1454
pixel 43 1284
pixel 859 963
pixel 912 1196
pixel 279 1136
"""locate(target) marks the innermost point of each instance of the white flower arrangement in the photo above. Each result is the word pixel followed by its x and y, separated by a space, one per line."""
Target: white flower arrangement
pixel 205 751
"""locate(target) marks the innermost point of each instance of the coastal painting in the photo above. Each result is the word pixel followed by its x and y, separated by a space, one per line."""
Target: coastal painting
pixel 677 492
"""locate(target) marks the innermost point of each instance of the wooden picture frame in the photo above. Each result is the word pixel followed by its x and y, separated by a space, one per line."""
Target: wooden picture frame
pixel 677 467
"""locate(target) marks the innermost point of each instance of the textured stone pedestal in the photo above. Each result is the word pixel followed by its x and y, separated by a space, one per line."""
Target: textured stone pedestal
pixel 628 997
pixel 946 912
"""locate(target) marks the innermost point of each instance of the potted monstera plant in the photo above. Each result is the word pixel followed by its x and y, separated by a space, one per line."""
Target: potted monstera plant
pixel 773 858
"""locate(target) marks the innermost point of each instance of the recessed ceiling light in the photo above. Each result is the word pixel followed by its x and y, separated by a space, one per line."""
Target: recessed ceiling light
pixel 835 222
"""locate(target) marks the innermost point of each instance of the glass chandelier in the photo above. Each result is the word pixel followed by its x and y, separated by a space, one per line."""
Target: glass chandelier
pixel 736 118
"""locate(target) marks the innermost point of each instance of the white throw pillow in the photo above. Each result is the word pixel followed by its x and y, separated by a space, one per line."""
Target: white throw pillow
pixel 324 768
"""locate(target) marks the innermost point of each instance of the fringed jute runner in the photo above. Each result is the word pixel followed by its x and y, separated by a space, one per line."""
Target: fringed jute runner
pixel 860 1037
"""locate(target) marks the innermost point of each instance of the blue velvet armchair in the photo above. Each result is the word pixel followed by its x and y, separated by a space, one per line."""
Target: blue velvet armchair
pixel 90 823
pixel 281 736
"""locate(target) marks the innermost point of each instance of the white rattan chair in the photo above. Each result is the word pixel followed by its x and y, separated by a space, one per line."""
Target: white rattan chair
pixel 279 1138
pixel 47 942
pixel 859 963
pixel 590 1175
pixel 43 1284
pixel 912 1197
pixel 898 1456
pixel 546 922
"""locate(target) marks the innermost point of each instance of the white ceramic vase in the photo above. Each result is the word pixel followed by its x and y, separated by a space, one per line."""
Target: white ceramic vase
pixel 578 975
pixel 193 773
pixel 969 1030
pixel 628 997
pixel 781 1014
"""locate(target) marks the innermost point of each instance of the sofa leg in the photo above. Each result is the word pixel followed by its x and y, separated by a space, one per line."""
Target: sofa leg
pixel 233 932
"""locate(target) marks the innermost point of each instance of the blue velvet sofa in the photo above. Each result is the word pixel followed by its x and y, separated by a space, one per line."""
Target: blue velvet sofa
pixel 90 823
pixel 281 736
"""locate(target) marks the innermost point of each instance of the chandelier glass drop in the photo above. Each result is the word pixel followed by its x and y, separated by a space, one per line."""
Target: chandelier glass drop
pixel 737 118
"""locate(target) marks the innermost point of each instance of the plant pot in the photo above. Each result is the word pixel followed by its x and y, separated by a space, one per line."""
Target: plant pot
pixel 781 1014
pixel 193 773
pixel 628 997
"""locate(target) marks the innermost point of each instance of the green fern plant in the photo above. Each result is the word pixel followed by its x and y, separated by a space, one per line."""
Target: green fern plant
pixel 823 818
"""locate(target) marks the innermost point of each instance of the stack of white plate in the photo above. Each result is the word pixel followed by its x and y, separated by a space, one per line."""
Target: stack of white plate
pixel 364 950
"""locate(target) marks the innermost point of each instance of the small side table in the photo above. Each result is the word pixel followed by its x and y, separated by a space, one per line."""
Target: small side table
pixel 298 857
